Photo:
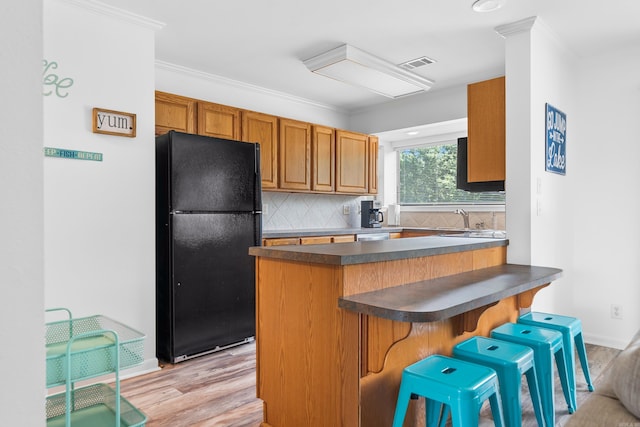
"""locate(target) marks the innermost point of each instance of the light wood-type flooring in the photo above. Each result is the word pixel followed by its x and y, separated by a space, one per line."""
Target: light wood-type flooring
pixel 220 390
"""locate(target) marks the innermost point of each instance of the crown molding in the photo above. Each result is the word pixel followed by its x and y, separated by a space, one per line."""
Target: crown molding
pixel 521 26
pixel 242 85
pixel 100 8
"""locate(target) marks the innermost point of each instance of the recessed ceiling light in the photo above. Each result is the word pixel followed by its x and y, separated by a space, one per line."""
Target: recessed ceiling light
pixel 487 5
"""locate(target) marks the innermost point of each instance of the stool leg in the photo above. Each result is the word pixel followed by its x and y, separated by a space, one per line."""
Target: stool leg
pixel 403 403
pixel 496 409
pixel 532 381
pixel 564 379
pixel 510 392
pixel 437 413
pixel 570 364
pixel 464 415
pixel 544 372
pixel 582 352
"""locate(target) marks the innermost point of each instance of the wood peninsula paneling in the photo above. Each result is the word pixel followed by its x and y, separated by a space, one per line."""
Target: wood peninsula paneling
pixel 319 365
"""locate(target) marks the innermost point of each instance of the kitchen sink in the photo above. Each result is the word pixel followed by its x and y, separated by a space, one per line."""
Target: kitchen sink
pixel 486 234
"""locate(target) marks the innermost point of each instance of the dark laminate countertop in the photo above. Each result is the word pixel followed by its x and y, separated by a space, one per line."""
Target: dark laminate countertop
pixel 446 297
pixel 375 251
pixel 303 232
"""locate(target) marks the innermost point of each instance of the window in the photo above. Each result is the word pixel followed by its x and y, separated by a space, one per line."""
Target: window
pixel 427 176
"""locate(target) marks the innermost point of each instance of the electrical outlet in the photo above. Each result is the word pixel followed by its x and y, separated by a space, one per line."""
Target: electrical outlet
pixel 346 209
pixel 616 311
pixel 265 209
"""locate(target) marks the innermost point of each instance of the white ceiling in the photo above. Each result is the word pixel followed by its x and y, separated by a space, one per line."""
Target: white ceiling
pixel 263 42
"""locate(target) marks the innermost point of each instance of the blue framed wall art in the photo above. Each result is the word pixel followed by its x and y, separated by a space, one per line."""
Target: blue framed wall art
pixel 556 140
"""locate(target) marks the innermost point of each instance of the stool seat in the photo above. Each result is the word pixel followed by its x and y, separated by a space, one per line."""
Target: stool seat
pixel 546 345
pixel 571 329
pixel 460 385
pixel 510 361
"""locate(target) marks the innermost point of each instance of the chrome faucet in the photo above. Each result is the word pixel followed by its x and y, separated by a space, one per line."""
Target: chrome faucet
pixel 465 217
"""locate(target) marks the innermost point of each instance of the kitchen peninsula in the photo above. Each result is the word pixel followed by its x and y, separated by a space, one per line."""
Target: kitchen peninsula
pixel 337 323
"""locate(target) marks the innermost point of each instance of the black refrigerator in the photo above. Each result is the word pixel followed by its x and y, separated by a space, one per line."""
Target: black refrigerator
pixel 208 214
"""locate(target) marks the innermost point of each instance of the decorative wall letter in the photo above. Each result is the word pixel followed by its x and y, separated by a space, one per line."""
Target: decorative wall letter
pixel 49 79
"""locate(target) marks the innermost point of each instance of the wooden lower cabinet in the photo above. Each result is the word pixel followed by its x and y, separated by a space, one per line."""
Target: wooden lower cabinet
pixel 281 241
pixel 315 240
pixel 309 240
pixel 344 238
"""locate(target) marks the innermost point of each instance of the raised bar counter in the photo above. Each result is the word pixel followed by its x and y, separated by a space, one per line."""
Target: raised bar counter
pixel 446 297
pixel 336 324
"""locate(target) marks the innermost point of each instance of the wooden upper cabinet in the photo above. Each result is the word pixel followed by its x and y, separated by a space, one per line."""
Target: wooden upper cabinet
pixel 295 155
pixel 263 129
pixel 373 164
pixel 219 121
pixel 175 112
pixel 323 154
pixel 486 131
pixel 352 162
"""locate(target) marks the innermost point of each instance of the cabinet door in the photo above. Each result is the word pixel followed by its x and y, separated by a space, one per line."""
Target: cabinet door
pixel 352 162
pixel 284 241
pixel 175 112
pixel 263 129
pixel 344 238
pixel 218 121
pixel 315 240
pixel 295 155
pixel 486 132
pixel 323 154
pixel 373 165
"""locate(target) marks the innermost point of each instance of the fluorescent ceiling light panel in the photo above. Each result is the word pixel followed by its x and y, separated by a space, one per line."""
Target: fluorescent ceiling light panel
pixel 354 66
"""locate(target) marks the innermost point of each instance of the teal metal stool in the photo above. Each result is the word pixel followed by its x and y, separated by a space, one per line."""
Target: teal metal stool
pixel 546 343
pixel 510 361
pixel 571 329
pixel 461 386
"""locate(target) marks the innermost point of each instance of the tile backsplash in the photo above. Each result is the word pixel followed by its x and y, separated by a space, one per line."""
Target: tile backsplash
pixel 288 211
pixel 482 220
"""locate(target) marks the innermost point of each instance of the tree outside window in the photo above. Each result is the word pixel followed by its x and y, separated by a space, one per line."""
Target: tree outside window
pixel 427 176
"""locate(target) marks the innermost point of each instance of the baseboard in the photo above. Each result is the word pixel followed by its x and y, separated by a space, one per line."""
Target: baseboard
pixel 604 341
pixel 149 365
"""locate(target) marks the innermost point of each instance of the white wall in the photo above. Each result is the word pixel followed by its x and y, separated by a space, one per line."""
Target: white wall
pixel 603 163
pixel 580 212
pixel 99 216
pixel 199 85
pixel 21 250
pixel 434 106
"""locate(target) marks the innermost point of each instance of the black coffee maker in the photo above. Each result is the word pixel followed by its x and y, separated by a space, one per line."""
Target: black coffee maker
pixel 371 217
